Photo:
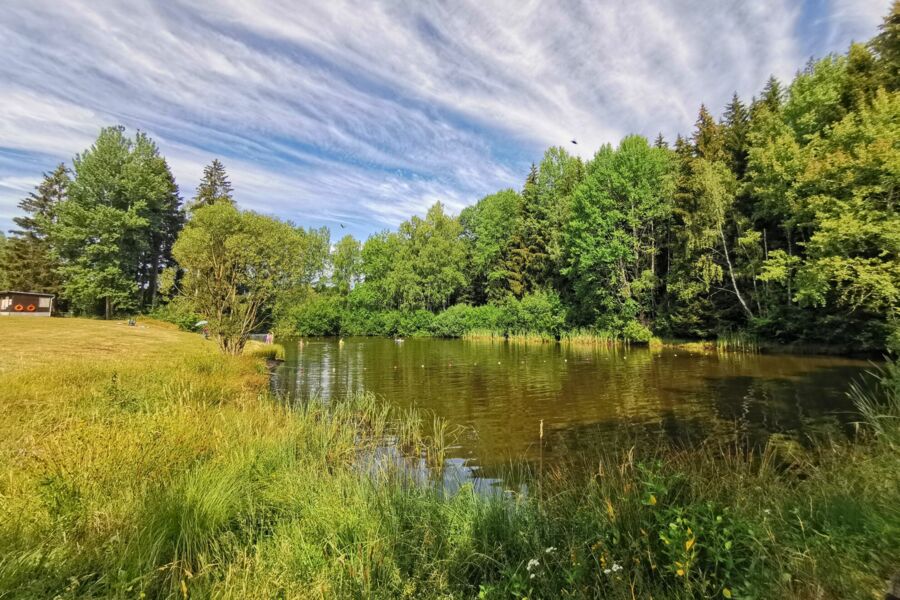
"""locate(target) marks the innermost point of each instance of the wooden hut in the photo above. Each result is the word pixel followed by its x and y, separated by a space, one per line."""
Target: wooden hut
pixel 25 304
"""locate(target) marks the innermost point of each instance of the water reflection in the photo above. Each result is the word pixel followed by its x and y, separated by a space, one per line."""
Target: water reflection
pixel 586 396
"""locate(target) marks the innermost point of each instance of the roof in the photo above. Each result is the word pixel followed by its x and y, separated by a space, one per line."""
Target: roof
pixel 9 292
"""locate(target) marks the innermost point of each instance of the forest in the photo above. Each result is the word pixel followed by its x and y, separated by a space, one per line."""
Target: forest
pixel 777 220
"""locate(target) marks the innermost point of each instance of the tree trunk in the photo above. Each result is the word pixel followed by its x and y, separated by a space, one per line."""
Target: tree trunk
pixel 734 284
pixel 107 313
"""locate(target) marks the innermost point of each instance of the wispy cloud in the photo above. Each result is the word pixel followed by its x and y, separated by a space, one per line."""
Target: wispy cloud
pixel 341 112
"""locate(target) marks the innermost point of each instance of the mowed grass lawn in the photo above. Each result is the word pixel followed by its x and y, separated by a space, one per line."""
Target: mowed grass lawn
pixel 34 342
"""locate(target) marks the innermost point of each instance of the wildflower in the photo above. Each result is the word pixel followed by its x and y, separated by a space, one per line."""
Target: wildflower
pixel 533 564
pixel 532 576
pixel 726 592
pixel 550 550
pixel 607 571
pixel 768 512
pixel 680 572
pixel 616 567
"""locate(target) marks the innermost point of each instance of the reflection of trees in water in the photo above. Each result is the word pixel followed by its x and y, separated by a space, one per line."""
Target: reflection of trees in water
pixel 586 396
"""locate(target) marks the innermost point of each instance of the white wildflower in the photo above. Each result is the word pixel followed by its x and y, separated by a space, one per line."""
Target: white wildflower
pixel 607 571
pixel 532 576
pixel 616 567
pixel 550 549
pixel 533 564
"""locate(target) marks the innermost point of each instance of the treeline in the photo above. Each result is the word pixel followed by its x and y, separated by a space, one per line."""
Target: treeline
pixel 779 219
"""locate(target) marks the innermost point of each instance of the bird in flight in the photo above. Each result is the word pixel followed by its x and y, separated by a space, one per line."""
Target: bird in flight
pixel 575 142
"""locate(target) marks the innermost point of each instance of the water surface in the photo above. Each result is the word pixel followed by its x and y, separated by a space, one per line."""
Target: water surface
pixel 500 391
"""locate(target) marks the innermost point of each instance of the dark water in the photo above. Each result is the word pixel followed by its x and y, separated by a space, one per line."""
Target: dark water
pixel 587 397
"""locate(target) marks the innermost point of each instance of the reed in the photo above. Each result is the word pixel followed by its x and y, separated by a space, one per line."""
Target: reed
pixel 255 349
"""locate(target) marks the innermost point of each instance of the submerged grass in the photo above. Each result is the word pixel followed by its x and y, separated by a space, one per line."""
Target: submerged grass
pixel 165 471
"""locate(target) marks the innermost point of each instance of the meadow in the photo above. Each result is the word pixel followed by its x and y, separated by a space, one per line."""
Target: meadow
pixel 140 462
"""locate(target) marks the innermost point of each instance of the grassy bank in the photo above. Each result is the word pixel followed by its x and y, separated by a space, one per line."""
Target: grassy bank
pixel 138 461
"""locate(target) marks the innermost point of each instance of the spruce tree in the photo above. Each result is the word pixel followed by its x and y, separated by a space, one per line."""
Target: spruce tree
pixel 736 125
pixel 772 96
pixel 214 187
pixel 660 141
pixel 30 263
pixel 887 46
pixel 708 139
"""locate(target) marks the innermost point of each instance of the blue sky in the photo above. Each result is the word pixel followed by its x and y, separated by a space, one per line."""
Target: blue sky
pixel 363 113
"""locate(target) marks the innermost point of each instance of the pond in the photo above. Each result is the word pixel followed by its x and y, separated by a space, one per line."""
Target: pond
pixel 498 392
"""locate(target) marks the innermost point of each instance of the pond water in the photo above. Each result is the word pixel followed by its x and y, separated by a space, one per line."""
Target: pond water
pixel 498 392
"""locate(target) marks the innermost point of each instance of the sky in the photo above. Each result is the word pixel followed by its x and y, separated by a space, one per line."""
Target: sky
pixel 357 115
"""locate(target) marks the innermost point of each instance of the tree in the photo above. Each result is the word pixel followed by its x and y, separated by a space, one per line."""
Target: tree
pixel 4 281
pixel 114 232
pixel 709 141
pixel 29 261
pixel 816 97
pixel 214 186
pixel 887 46
pixel 346 264
pixel 849 189
pixel 489 229
pixel 612 238
pixel 235 266
pixel 736 126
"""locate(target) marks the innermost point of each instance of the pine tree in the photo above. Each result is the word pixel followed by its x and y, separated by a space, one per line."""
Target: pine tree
pixel 30 264
pixel 660 141
pixel 736 125
pixel 214 187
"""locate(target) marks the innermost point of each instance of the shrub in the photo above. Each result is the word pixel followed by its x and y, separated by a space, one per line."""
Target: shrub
pixel 318 315
pixel 177 313
pixel 462 319
pixel 636 332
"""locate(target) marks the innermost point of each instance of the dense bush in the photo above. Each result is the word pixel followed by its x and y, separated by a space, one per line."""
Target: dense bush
pixel 177 313
pixel 318 315
pixel 461 319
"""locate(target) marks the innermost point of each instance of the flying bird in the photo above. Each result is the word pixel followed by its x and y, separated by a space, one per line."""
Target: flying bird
pixel 575 142
pixel 342 225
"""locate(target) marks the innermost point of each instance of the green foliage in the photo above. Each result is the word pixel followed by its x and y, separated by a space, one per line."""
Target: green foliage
pixel 612 238
pixel 346 264
pixel 28 260
pixel 114 232
pixel 214 187
pixel 317 315
pixel 235 266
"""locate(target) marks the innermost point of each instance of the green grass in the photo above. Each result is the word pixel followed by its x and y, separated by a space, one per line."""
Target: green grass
pixel 159 468
pixel 256 349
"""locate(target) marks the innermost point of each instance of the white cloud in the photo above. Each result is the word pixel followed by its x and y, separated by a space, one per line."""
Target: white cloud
pixel 364 113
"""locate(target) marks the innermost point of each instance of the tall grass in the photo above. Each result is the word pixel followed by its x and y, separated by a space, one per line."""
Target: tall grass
pixel 179 477
pixel 256 349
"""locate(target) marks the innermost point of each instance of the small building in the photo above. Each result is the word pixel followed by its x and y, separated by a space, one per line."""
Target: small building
pixel 26 304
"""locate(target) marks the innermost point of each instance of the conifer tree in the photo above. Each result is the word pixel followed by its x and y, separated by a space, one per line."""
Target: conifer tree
pixel 736 127
pixel 887 46
pixel 29 261
pixel 214 187
pixel 708 139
